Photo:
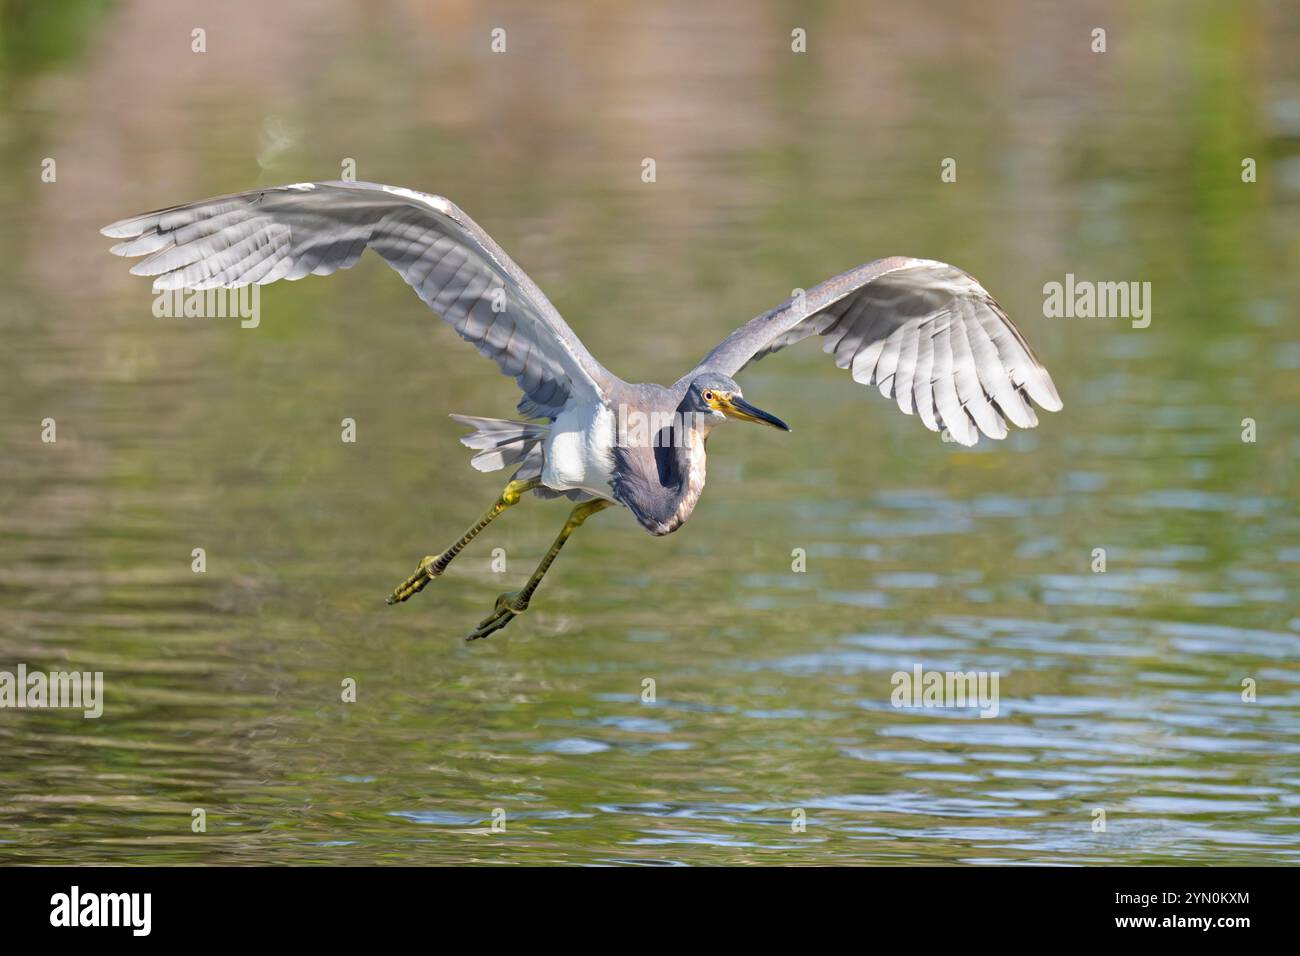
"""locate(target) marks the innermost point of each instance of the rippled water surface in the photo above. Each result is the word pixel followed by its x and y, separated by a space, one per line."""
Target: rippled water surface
pixel 1120 691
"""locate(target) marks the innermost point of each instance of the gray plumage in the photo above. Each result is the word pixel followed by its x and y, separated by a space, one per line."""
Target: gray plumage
pixel 288 232
pixel 925 333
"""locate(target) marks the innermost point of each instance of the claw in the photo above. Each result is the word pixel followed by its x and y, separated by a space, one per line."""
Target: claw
pixel 426 572
pixel 508 607
pixel 433 566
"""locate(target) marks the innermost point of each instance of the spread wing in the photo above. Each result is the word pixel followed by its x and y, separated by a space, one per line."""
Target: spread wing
pixel 925 333
pixel 287 232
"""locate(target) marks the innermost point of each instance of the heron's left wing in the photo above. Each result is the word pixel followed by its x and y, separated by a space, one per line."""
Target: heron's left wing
pixel 288 232
pixel 924 332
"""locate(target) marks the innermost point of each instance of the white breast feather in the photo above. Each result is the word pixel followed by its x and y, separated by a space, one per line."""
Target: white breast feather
pixel 578 452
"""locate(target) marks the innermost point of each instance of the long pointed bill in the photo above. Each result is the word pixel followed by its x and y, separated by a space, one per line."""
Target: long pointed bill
pixel 737 407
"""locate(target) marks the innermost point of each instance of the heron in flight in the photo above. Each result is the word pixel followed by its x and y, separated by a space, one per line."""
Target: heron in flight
pixel 925 333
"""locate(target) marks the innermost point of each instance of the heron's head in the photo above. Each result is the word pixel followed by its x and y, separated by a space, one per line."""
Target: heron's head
pixel 718 396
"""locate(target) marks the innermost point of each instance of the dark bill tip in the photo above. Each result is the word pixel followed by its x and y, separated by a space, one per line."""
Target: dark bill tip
pixel 753 413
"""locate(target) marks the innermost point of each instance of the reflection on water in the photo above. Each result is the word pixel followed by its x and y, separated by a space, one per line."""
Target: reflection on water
pixel 1120 691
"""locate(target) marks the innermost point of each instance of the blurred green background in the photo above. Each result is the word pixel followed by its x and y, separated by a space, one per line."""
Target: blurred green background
pixel 1120 691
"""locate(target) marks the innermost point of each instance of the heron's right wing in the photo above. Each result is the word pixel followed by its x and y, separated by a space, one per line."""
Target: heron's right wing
pixel 287 232
pixel 925 333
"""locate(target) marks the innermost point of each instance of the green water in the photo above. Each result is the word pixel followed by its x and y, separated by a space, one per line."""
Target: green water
pixel 1119 691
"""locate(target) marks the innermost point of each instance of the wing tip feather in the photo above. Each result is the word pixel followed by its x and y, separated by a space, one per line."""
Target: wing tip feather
pixel 123 229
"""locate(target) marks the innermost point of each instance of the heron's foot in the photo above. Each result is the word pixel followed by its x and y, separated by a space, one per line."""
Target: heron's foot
pixel 430 568
pixel 509 606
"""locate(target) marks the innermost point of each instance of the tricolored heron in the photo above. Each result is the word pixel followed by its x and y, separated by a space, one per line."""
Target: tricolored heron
pixel 925 333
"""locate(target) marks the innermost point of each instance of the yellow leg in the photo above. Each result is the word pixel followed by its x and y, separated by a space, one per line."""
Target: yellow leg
pixel 513 603
pixel 434 564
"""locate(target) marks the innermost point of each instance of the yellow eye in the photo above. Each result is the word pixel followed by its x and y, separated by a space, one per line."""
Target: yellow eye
pixel 708 396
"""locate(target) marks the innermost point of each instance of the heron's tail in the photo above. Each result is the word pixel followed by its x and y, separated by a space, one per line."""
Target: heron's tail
pixel 500 443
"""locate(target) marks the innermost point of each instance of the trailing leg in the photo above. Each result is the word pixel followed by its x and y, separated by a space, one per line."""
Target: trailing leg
pixel 434 564
pixel 513 603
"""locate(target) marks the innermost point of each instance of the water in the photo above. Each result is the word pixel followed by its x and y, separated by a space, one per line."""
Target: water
pixel 1119 692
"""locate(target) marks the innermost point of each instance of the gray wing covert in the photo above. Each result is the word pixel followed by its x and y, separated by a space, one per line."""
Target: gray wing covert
pixel 925 333
pixel 288 232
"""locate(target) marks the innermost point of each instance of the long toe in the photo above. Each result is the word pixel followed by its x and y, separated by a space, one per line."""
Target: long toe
pixel 491 624
pixel 495 621
pixel 426 572
pixel 508 606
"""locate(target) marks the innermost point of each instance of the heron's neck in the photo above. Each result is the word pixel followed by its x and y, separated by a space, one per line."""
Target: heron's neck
pixel 661 480
pixel 662 488
pixel 688 458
